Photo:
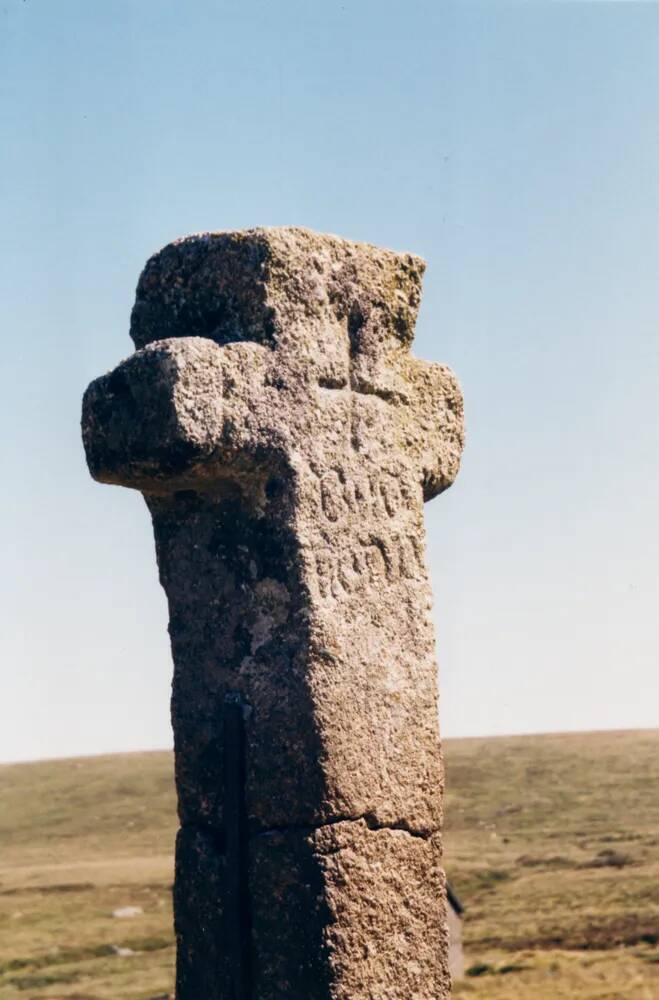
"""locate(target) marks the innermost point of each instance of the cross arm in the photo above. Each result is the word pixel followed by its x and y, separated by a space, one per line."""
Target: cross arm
pixel 176 414
pixel 437 437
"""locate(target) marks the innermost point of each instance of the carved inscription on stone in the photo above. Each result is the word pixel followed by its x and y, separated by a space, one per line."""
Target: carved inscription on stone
pixel 371 494
pixel 372 559
pixel 350 560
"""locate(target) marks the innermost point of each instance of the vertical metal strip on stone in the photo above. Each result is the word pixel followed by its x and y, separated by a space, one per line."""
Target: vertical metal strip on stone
pixel 237 915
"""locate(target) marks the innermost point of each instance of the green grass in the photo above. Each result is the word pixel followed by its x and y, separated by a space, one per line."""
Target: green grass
pixel 552 843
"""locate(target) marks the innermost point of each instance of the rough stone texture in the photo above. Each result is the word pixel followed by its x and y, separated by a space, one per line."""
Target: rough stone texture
pixel 362 914
pixel 285 439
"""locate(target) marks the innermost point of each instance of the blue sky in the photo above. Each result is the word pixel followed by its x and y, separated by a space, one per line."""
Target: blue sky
pixel 515 147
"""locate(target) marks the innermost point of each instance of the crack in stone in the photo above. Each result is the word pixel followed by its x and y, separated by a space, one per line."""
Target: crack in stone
pixel 367 818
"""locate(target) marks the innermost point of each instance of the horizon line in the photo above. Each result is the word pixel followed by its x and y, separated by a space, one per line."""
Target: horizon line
pixel 445 739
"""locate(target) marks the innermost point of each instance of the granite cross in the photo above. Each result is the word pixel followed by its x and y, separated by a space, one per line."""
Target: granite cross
pixel 285 439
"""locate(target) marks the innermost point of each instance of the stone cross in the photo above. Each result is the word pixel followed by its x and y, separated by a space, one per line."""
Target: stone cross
pixel 285 439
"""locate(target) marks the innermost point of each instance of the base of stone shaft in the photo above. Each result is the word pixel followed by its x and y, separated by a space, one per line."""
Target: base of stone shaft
pixel 342 912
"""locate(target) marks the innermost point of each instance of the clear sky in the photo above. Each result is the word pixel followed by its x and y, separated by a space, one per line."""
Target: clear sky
pixel 515 147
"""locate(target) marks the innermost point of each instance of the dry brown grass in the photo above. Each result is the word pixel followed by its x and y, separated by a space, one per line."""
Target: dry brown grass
pixel 551 841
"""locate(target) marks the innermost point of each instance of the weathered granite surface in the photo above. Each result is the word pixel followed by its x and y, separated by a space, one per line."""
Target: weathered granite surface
pixel 285 439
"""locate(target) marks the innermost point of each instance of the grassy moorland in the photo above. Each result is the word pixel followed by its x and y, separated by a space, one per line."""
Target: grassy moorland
pixel 552 842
